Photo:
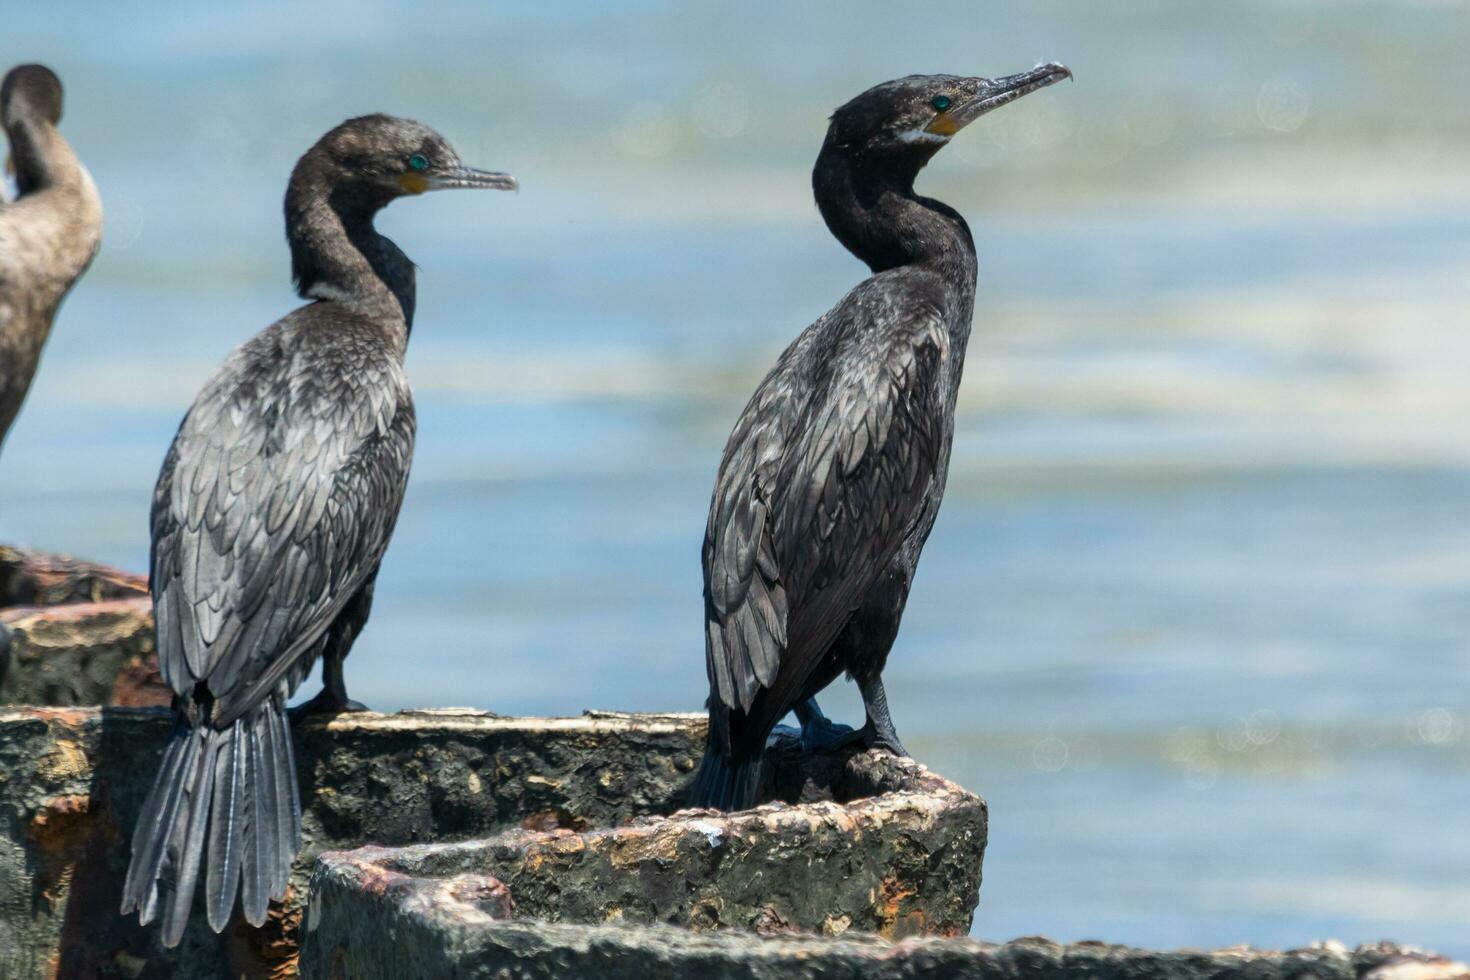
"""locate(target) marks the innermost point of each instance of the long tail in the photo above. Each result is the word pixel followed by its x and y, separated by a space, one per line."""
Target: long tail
pixel 224 801
pixel 726 784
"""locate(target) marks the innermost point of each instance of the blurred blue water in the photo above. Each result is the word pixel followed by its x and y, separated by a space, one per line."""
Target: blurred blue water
pixel 1193 617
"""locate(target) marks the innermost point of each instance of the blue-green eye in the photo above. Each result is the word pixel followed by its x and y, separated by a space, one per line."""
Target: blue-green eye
pixel 941 102
pixel 419 162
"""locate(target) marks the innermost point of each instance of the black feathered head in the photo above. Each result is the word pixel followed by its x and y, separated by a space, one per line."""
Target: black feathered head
pixel 374 159
pixel 916 115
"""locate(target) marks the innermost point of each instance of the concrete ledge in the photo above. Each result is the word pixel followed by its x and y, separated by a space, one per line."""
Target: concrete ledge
pixel 903 862
pixel 39 578
pixel 371 928
pixel 75 633
pixel 576 811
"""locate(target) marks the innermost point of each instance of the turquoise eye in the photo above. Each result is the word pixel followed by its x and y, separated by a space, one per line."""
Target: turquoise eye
pixel 941 102
pixel 419 162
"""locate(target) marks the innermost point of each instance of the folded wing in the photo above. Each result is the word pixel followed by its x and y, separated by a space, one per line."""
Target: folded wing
pixel 277 499
pixel 813 500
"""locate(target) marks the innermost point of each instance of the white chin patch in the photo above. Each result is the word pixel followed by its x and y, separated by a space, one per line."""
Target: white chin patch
pixel 326 291
pixel 921 136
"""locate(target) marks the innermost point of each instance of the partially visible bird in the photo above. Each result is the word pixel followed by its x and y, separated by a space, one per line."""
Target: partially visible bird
pixel 273 509
pixel 833 476
pixel 48 234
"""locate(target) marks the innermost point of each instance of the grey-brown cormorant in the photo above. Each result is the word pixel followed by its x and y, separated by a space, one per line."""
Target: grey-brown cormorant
pixel 832 478
pixel 273 509
pixel 48 234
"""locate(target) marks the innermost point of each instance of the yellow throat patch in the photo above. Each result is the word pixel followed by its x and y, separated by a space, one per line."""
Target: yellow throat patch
pixel 943 125
pixel 414 183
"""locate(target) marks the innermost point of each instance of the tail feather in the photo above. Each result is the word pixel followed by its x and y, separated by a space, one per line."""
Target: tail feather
pixel 186 845
pixel 224 803
pixel 286 818
pixel 225 830
pixel 259 848
pixel 724 783
pixel 155 824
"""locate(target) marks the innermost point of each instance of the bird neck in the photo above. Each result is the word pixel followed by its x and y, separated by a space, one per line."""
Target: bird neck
pixel 870 206
pixel 338 256
pixel 56 221
pixel 42 158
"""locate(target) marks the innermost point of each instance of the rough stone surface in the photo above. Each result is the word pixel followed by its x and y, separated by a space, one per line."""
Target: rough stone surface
pixel 900 862
pixel 72 780
pixel 368 928
pixel 81 654
pixel 75 633
pixel 35 578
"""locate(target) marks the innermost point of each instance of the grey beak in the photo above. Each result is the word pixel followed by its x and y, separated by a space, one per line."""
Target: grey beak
pixel 468 177
pixel 996 92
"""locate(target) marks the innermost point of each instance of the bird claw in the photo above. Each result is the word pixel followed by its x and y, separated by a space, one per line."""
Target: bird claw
pixel 867 737
pixel 821 735
pixel 325 704
pixel 889 743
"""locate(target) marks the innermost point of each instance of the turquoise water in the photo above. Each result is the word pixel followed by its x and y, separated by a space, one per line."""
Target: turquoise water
pixel 1194 616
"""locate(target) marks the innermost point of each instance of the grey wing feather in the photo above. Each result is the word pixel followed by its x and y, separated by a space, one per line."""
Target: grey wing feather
pixel 860 478
pixel 745 599
pixel 275 502
pixel 813 499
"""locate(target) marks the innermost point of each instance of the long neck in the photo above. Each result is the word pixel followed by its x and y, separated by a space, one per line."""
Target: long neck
pixel 41 157
pixel 56 222
pixel 869 204
pixel 337 255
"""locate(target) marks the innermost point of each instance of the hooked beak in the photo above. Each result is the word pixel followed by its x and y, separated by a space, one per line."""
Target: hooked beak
pixel 996 92
pixel 471 178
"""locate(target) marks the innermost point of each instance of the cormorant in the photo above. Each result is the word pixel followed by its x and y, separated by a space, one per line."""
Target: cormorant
pixel 833 475
pixel 273 509
pixel 48 234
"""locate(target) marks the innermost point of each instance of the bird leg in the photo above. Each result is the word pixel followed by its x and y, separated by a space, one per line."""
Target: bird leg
pixel 878 732
pixel 817 732
pixel 881 733
pixel 332 699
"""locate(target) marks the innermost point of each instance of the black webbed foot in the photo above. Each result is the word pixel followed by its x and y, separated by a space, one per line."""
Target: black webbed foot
pixel 823 735
pixel 867 737
pixel 888 742
pixel 817 731
pixel 325 703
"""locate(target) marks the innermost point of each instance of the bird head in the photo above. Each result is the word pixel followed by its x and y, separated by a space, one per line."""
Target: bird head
pixel 915 116
pixel 378 158
pixel 31 92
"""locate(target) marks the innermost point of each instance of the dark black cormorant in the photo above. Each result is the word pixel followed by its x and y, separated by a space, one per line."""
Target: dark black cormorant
pixel 48 234
pixel 271 514
pixel 833 475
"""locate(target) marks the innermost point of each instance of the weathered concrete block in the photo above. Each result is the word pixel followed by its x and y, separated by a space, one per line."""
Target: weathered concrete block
pixel 37 578
pixel 81 654
pixel 573 812
pixel 75 633
pixel 368 924
pixel 899 855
